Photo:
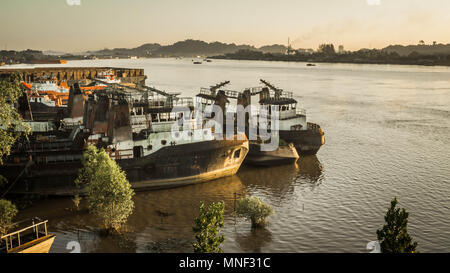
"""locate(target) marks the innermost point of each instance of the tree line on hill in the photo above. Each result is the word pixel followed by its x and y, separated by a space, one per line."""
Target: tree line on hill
pixel 421 54
pixel 424 55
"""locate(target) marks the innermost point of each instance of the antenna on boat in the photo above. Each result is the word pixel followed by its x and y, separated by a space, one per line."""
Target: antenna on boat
pixel 271 86
pixel 214 88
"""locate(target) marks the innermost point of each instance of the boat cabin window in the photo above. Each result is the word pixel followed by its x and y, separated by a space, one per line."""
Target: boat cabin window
pixel 138 151
pixel 296 127
pixel 237 153
pixel 163 116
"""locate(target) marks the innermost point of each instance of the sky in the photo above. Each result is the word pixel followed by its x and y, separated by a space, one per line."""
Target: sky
pixel 80 25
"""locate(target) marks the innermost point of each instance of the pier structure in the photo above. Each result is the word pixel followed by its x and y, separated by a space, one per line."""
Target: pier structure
pixel 72 74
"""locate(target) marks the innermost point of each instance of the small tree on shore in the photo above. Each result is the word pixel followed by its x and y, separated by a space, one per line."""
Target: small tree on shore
pixel 394 237
pixel 12 126
pixel 254 209
pixel 207 227
pixel 7 212
pixel 109 194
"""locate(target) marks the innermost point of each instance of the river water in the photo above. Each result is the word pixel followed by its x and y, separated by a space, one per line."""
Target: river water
pixel 387 131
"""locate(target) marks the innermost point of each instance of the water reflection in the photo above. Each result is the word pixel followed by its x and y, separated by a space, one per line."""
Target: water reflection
pixel 162 220
pixel 254 240
pixel 279 181
pixel 113 243
pixel 310 168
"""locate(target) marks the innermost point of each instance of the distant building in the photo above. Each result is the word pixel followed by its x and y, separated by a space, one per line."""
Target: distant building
pixel 289 50
pixel 305 51
pixel 341 49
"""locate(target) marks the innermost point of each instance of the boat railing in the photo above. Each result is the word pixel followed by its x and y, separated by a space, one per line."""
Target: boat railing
pixel 231 93
pixel 300 111
pixel 314 127
pixel 157 103
pixel 13 239
pixel 51 146
pixel 184 101
pixel 255 90
pixel 205 91
pixel 287 95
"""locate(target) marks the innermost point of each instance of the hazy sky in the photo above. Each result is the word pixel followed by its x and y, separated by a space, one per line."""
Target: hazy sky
pixel 96 24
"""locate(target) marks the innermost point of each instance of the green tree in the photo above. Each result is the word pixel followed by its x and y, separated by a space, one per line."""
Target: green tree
pixel 394 237
pixel 254 209
pixel 109 194
pixel 7 212
pixel 12 125
pixel 327 49
pixel 207 227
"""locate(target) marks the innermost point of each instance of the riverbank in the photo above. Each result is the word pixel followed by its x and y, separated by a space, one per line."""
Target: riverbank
pixel 358 57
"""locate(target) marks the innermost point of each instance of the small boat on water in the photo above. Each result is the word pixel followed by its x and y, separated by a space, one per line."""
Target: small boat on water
pixel 30 236
pixel 197 62
pixel 310 64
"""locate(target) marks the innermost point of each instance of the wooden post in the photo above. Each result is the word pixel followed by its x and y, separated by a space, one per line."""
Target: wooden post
pixel 234 202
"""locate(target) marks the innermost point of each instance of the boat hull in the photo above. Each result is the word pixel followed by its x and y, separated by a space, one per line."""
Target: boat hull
pixel 170 166
pixel 307 142
pixel 283 155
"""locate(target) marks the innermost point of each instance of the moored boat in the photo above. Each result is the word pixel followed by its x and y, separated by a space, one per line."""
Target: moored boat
pixel 135 128
pixel 293 126
pixel 284 152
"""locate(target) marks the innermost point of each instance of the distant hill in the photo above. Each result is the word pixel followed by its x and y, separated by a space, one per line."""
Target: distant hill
pixel 187 48
pixel 144 50
pixel 190 48
pixel 421 49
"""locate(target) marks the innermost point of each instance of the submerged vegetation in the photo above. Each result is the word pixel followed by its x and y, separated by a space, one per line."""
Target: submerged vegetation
pixel 254 210
pixel 207 228
pixel 109 194
pixel 394 236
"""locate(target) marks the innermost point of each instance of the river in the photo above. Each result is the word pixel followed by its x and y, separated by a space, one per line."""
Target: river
pixel 387 131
